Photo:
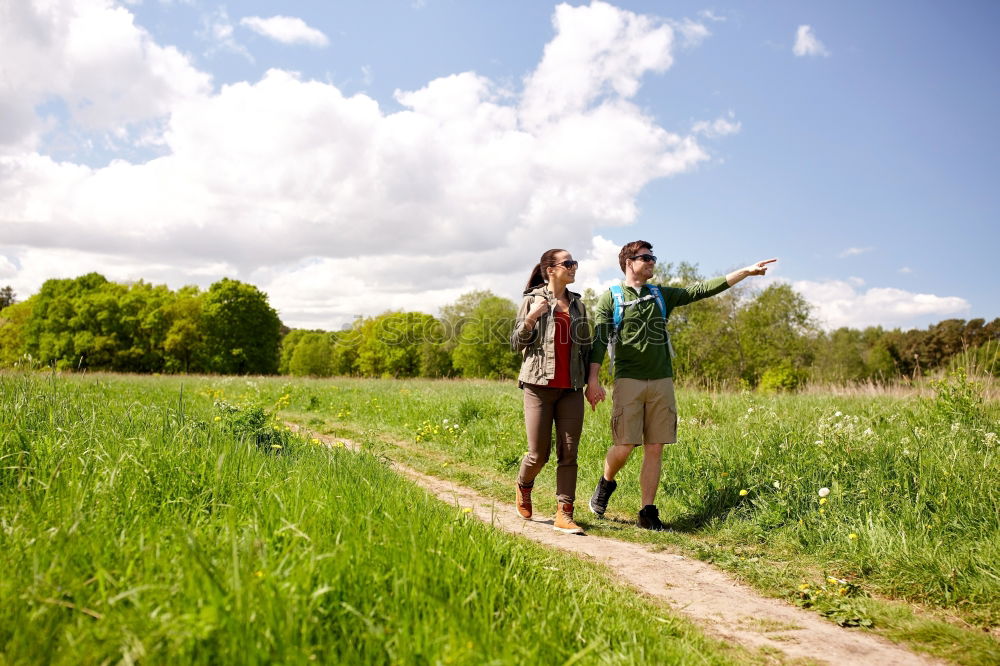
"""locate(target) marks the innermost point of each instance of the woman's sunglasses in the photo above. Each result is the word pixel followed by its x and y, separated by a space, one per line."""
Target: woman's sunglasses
pixel 568 264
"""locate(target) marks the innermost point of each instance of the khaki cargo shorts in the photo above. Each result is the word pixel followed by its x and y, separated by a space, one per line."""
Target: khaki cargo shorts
pixel 644 411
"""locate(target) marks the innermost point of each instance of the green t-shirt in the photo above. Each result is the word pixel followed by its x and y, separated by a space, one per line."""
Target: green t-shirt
pixel 641 351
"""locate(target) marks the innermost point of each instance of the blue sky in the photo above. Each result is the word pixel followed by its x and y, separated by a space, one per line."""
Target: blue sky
pixel 353 157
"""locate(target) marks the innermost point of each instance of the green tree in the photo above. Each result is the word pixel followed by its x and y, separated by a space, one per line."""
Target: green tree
pixel 242 330
pixel 7 297
pixel 312 356
pixel 483 346
pixel 454 317
pixel 288 344
pixel 839 356
pixel 774 332
pixel 392 344
pixel 184 341
pixel 69 323
pixel 590 298
pixel 344 356
pixel 143 327
pixel 13 323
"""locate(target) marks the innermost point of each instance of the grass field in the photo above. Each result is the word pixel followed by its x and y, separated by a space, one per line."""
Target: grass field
pixel 169 520
pixel 173 519
pixel 913 512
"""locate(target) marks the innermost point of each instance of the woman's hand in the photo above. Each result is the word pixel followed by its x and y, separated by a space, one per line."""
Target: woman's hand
pixel 538 310
pixel 594 394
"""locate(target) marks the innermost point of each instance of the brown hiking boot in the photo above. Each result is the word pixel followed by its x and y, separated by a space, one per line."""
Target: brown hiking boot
pixel 523 501
pixel 564 520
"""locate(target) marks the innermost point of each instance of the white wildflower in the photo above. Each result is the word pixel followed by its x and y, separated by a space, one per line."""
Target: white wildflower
pixel 777 484
pixel 445 421
pixel 955 427
pixel 839 414
pixel 824 492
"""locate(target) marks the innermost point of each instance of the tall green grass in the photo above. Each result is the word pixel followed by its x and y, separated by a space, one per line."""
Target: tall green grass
pixel 914 505
pixel 161 521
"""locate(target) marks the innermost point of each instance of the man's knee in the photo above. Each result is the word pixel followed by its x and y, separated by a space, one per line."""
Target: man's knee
pixel 652 450
pixel 618 450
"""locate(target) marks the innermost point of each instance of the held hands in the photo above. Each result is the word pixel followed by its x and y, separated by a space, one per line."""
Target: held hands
pixel 594 394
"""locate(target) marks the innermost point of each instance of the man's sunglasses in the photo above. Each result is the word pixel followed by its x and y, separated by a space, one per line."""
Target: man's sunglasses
pixel 568 264
pixel 651 258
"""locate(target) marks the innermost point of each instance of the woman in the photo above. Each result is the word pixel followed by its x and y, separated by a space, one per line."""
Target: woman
pixel 553 334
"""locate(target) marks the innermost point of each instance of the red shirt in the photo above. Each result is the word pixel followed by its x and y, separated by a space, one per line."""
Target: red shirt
pixel 563 346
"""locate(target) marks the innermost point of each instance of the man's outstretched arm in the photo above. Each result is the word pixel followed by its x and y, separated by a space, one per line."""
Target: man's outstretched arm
pixel 760 268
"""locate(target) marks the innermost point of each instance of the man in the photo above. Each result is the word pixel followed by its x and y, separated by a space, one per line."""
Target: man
pixel 644 411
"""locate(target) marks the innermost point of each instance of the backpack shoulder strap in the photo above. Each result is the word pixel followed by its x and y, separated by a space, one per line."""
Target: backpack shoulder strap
pixel 618 301
pixel 658 295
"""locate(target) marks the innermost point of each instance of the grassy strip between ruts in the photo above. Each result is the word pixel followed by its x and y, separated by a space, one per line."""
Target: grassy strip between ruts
pixel 912 514
pixel 142 523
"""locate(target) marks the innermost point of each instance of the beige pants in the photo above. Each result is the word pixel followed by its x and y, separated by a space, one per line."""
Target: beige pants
pixel 644 411
pixel 544 408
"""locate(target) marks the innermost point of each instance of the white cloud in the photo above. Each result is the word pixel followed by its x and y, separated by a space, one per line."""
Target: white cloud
pixel 285 29
pixel 91 55
pixel 33 266
pixel 856 281
pixel 599 50
pixel 905 270
pixel 7 267
pixel 806 43
pixel 709 15
pixel 719 127
pixel 854 251
pixel 600 257
pixel 219 32
pixel 692 33
pixel 337 207
pixel 838 303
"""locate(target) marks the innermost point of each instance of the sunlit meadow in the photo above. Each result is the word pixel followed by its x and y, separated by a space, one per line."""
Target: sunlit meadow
pixel 178 518
pixel 152 520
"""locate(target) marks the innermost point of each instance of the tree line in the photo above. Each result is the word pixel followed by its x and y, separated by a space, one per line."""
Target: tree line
pixel 764 339
pixel 91 323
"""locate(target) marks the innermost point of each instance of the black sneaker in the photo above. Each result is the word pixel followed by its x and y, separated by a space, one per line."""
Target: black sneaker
pixel 649 519
pixel 602 493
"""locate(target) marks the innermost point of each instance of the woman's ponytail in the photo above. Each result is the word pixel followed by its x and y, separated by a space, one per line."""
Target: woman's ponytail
pixel 536 278
pixel 540 273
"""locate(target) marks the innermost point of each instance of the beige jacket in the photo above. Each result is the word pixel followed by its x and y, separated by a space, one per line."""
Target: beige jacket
pixel 538 345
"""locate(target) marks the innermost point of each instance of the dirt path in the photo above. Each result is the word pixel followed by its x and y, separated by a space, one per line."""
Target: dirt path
pixel 721 606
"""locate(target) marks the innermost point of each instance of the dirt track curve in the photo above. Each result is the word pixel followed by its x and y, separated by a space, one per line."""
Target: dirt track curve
pixel 721 606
